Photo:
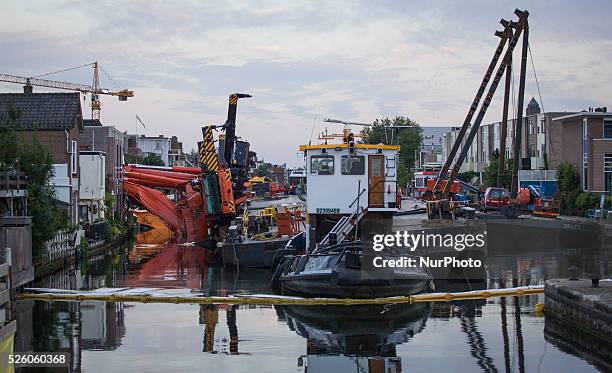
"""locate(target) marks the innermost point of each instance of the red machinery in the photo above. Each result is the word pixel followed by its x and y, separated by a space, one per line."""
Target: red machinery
pixel 190 200
pixel 185 212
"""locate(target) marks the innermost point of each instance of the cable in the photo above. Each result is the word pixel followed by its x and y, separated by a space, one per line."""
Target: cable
pixel 110 78
pixel 536 78
pixel 61 71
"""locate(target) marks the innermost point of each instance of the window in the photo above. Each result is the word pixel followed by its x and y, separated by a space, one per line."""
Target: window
pixel 74 156
pixel 543 125
pixel 352 165
pixel 608 172
pixel 322 165
pixel 607 129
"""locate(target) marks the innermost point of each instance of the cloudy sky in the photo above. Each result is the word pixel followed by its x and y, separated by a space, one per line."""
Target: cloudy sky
pixel 303 60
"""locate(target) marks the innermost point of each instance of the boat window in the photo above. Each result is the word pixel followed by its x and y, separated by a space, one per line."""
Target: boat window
pixel 353 165
pixel 322 165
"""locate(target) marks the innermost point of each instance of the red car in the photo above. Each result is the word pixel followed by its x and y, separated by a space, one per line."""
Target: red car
pixel 494 199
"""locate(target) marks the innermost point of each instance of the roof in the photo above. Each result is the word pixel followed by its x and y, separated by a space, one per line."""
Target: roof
pixel 92 122
pixel 345 146
pixel 595 114
pixel 42 111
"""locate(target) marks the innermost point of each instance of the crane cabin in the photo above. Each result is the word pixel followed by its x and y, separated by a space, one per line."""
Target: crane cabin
pixel 345 179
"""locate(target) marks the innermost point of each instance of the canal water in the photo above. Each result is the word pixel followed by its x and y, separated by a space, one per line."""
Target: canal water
pixel 504 334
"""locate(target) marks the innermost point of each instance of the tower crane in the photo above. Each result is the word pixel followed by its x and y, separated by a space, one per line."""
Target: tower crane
pixel 94 89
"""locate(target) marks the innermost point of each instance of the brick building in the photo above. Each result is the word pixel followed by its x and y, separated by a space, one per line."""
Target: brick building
pixel 111 141
pixel 585 140
pixel 56 120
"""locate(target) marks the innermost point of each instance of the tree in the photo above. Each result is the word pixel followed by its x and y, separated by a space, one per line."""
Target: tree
pixel 152 159
pixel 490 174
pixel 568 187
pixel 263 170
pixel 409 139
pixel 35 161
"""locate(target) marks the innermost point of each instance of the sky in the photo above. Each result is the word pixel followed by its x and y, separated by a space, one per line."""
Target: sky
pixel 303 61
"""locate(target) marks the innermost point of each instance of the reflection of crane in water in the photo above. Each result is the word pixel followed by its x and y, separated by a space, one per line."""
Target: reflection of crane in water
pixel 478 348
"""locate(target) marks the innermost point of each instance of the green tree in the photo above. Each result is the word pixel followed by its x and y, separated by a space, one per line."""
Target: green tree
pixel 409 139
pixel 263 170
pixel 153 159
pixel 490 175
pixel 568 187
pixel 30 157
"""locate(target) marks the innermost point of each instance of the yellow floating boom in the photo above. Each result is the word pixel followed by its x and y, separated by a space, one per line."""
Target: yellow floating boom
pixel 159 296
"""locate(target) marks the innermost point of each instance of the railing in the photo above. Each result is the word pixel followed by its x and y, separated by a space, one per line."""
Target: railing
pixel 13 181
pixel 65 244
pixel 62 246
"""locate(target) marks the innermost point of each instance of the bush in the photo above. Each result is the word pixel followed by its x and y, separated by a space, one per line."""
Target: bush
pixel 108 232
pixel 586 200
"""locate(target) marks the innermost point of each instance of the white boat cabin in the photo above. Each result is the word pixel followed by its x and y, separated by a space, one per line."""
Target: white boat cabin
pixel 336 174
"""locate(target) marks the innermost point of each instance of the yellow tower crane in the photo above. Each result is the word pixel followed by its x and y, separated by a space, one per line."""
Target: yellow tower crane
pixel 93 89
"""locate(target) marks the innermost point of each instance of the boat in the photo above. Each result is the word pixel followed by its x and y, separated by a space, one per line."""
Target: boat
pixel 352 194
pixel 342 271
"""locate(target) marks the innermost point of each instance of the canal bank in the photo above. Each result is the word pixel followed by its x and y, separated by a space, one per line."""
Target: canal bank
pixel 581 305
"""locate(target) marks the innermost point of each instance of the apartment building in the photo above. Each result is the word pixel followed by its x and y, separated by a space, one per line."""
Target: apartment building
pixel 585 140
pixel 535 147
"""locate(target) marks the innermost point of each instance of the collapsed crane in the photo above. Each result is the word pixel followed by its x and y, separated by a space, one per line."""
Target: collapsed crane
pixel 203 198
pixel 440 204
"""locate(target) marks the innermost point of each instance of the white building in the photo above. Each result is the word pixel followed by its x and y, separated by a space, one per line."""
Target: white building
pixel 92 187
pixel 64 185
pixel 156 145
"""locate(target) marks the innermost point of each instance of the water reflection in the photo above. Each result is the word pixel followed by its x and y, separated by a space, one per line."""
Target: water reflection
pixel 495 335
pixel 361 338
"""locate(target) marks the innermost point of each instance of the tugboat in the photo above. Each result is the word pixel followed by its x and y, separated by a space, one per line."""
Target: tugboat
pixel 351 196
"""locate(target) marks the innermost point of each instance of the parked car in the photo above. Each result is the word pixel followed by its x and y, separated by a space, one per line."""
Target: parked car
pixel 494 199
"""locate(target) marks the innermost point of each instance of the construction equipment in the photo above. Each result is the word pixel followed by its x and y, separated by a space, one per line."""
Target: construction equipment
pixel 509 36
pixel 93 89
pixel 232 154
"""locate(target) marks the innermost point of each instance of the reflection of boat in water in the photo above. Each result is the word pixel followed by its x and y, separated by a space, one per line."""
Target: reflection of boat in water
pixel 339 271
pixel 361 338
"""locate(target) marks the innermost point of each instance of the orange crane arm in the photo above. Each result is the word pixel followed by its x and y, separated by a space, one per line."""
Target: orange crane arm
pixel 156 202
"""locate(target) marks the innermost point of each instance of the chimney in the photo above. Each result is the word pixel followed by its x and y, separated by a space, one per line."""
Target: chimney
pixel 28 88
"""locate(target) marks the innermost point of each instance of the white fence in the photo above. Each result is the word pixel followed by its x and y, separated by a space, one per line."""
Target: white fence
pixel 61 246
